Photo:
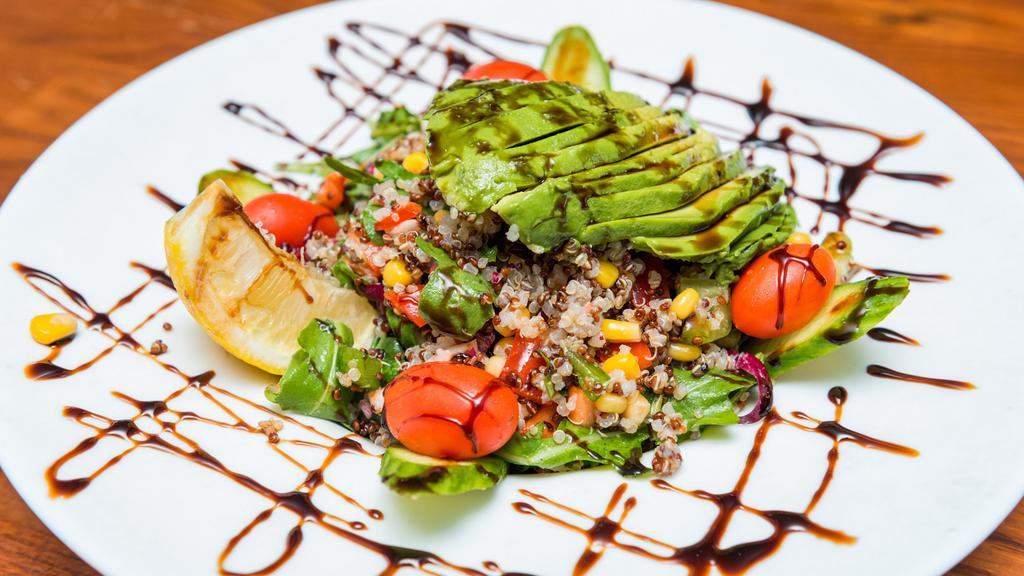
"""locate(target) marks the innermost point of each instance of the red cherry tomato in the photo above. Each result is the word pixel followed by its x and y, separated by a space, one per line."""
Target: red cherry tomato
pixel 332 191
pixel 504 70
pixel 450 410
pixel 290 219
pixel 400 214
pixel 783 290
pixel 522 360
pixel 406 305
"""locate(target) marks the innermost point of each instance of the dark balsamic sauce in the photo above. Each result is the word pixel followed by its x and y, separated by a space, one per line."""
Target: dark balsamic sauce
pixel 891 336
pixel 883 372
pixel 783 257
pixel 164 198
pixel 699 558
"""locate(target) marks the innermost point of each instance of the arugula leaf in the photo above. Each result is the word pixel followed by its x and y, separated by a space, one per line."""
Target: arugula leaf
pixel 310 386
pixel 391 362
pixel 413 474
pixel 317 168
pixel 392 170
pixel 453 300
pixel 370 225
pixel 582 448
pixel 392 124
pixel 351 173
pixel 708 400
pixel 407 332
pixel 344 274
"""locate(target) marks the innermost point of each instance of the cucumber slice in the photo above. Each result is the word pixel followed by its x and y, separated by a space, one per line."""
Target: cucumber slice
pixel 244 185
pixel 573 57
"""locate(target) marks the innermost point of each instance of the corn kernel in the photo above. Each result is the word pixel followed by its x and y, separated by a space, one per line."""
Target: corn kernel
pixel 439 215
pixel 683 352
pixel 509 330
pixel 607 274
pixel 685 303
pixel 502 347
pixel 415 162
pixel 628 363
pixel 611 403
pixel 49 328
pixel 798 238
pixel 620 330
pixel 494 365
pixel 395 272
pixel 637 409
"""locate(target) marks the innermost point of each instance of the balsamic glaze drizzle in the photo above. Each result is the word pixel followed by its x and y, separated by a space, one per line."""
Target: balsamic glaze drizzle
pixel 602 532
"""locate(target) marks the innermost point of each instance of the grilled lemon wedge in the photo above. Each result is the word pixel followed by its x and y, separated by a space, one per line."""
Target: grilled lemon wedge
pixel 251 297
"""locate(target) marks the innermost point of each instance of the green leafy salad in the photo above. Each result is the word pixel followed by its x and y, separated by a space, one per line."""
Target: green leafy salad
pixel 564 276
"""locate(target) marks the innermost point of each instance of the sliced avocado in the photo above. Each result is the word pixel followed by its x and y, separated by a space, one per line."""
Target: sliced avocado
pixel 546 215
pixel 686 152
pixel 849 313
pixel 491 102
pixel 698 215
pixel 573 57
pixel 462 90
pixel 707 245
pixel 712 319
pixel 244 185
pixel 668 195
pixel 773 232
pixel 413 474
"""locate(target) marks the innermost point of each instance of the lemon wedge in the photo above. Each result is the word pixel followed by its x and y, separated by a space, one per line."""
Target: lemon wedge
pixel 251 297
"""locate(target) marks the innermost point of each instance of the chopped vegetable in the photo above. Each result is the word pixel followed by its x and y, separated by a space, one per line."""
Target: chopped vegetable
pixel 412 474
pixel 290 219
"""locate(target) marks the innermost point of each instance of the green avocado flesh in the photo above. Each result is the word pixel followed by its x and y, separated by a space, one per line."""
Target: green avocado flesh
pixel 562 162
pixel 849 313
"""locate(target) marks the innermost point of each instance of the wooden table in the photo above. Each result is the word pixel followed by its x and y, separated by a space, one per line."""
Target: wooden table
pixel 61 60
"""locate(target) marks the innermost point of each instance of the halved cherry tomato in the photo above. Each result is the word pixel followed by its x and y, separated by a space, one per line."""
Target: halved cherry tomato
pixel 504 70
pixel 642 292
pixel 290 219
pixel 450 410
pixel 400 214
pixel 783 290
pixel 332 191
pixel 522 360
pixel 406 305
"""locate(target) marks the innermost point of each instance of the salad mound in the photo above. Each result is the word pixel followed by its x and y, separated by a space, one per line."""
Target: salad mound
pixel 564 276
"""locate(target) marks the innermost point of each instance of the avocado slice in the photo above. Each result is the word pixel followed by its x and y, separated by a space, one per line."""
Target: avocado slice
pixel 849 313
pixel 710 244
pixel 244 185
pixel 772 233
pixel 462 90
pixel 572 56
pixel 668 195
pixel 698 215
pixel 492 102
pixel 413 474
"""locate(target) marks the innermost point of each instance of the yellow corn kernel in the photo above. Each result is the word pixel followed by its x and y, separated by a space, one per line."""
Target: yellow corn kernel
pixel 683 352
pixel 611 403
pixel 620 330
pixel 494 365
pixel 685 303
pixel 799 238
pixel 607 274
pixel 395 272
pixel 49 328
pixel 501 347
pixel 415 162
pixel 628 363
pixel 637 408
pixel 439 215
pixel 508 330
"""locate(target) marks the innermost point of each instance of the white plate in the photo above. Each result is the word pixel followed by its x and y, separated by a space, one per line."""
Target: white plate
pixel 81 212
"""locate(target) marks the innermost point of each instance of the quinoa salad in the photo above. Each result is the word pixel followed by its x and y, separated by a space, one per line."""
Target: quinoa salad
pixel 536 274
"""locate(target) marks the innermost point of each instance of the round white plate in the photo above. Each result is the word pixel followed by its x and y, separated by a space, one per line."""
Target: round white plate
pixel 81 213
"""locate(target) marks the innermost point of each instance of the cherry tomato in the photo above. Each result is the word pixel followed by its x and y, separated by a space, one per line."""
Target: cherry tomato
pixel 642 292
pixel 332 191
pixel 400 214
pixel 504 70
pixel 406 305
pixel 450 410
pixel 522 360
pixel 783 290
pixel 290 219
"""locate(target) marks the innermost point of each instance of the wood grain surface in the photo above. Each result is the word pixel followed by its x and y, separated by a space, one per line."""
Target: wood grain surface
pixel 62 58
